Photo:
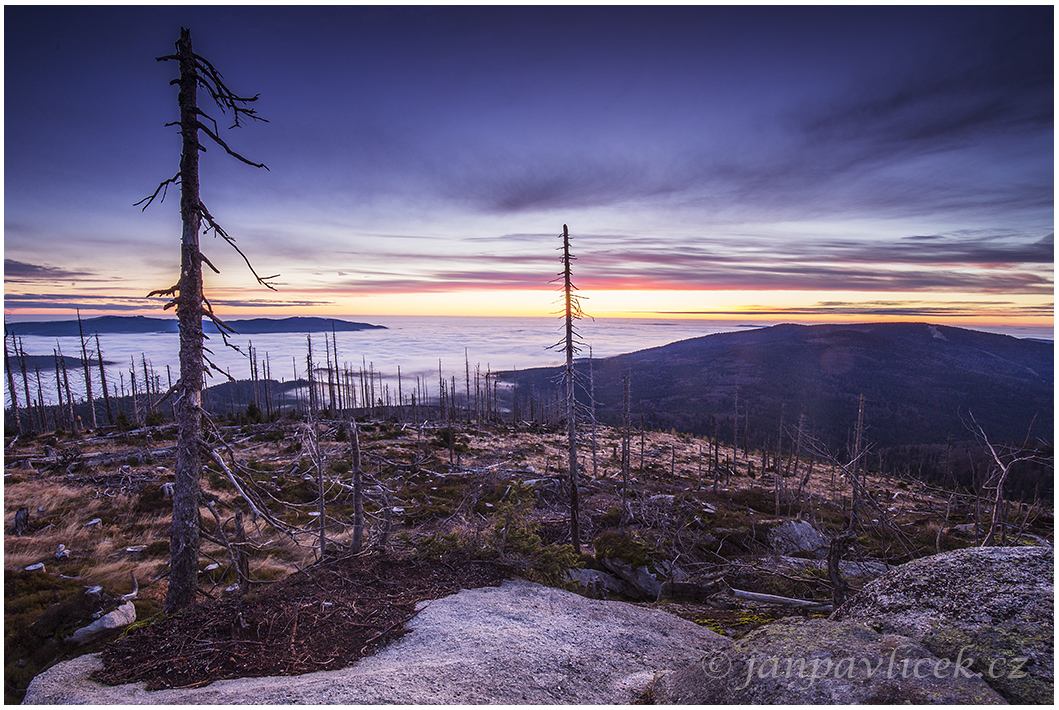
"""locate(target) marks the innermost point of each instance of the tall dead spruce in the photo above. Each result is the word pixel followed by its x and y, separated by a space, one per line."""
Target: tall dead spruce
pixel 571 344
pixel 191 304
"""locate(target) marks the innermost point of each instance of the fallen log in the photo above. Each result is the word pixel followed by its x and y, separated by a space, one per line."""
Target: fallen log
pixel 807 604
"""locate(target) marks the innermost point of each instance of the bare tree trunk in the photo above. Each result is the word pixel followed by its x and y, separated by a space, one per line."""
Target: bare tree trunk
pixel 735 431
pixel 20 352
pixel 857 443
pixel 103 382
pixel 626 443
pixel 69 397
pixel 571 413
pixel 837 549
pixel 40 401
pixel 11 388
pixel 132 387
pixel 88 372
pixel 778 483
pixel 242 560
pixel 184 533
pixel 358 488
pixel 592 404
pixel 318 459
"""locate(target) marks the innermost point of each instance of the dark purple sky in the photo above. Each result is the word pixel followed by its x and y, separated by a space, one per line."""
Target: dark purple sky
pixel 814 161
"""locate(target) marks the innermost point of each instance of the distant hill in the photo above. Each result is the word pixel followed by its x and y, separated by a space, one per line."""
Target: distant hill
pixel 916 378
pixel 143 324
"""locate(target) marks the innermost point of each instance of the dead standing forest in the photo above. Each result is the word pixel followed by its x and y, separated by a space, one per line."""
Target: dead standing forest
pixel 169 493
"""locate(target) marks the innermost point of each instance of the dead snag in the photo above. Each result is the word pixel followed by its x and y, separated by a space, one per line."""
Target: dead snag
pixel 191 305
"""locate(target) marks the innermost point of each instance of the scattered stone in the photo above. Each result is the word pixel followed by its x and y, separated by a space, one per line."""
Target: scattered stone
pixel 993 605
pixel 34 568
pixel 119 618
pixel 640 582
pixel 135 549
pixel 61 552
pixel 21 521
pixel 798 537
pixel 596 583
pixel 93 523
pixel 797 661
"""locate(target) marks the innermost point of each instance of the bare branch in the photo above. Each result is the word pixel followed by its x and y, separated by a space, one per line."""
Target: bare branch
pixel 219 141
pixel 162 186
pixel 263 280
pixel 171 291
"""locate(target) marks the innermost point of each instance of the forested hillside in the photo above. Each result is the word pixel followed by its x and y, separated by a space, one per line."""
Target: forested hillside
pixel 920 383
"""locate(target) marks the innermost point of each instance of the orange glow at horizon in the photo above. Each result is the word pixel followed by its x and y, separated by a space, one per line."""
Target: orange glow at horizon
pixel 966 309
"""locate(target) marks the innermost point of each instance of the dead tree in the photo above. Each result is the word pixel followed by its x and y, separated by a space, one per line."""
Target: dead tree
pixel 358 487
pixel 11 386
pixel 839 544
pixel 571 344
pixel 191 304
pixel 855 481
pixel 1003 458
pixel 88 372
pixel 626 444
pixel 103 382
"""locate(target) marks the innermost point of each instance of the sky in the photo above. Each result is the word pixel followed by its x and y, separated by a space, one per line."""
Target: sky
pixel 759 164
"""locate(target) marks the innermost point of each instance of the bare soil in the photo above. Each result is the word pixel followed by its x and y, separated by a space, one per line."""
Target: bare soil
pixel 322 618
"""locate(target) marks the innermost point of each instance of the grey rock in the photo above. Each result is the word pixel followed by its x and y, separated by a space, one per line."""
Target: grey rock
pixel 516 644
pixel 117 619
pixel 993 605
pixel 595 581
pixel 641 582
pixel 797 661
pixel 798 537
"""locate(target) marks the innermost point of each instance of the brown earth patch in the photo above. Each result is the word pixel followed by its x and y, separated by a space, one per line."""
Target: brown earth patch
pixel 322 618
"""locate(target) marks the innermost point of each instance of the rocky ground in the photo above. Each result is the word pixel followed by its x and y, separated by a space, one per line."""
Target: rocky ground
pixel 448 508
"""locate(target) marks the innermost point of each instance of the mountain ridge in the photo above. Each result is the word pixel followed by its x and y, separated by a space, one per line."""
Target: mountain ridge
pixel 917 378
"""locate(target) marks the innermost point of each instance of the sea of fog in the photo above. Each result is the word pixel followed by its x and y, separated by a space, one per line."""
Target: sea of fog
pixel 413 343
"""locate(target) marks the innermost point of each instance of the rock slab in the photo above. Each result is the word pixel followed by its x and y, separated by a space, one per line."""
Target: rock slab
pixel 797 661
pixel 520 643
pixel 993 605
pixel 117 619
pixel 797 537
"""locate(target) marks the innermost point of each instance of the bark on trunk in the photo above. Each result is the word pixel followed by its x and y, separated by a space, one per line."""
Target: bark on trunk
pixel 184 534
pixel 571 421
pixel 358 488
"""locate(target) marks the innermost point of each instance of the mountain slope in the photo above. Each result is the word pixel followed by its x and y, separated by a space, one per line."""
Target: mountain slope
pixel 916 379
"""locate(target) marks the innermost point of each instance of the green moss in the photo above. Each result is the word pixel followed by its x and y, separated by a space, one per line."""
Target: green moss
pixel 612 518
pixel 449 438
pixel 422 513
pixel 340 467
pixel 625 546
pixel 1006 649
pixel 511 537
pixel 39 610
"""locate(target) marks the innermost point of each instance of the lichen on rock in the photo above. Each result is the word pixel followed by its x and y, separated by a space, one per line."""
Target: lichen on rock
pixel 991 605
